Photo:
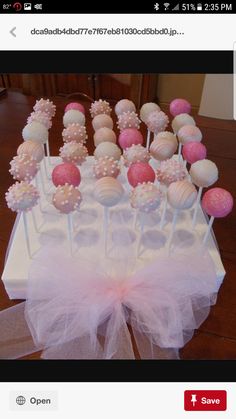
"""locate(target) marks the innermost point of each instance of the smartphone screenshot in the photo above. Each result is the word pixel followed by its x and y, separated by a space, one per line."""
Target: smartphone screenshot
pixel 117 210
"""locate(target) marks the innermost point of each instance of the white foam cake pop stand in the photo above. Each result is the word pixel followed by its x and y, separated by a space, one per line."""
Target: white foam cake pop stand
pixel 88 237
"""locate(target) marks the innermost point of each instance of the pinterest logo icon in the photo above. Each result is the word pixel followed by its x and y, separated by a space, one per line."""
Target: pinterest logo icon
pixel 17 6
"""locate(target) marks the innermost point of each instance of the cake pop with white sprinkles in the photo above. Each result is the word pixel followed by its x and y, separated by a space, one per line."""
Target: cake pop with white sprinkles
pixel 23 167
pixel 100 107
pixel 170 171
pixel 45 105
pixel 157 121
pixel 74 132
pixel 128 120
pixel 67 198
pixel 32 149
pixel 73 152
pixel 107 149
pixel 22 196
pixel 41 117
pixel 146 197
pixel 106 166
pixel 136 153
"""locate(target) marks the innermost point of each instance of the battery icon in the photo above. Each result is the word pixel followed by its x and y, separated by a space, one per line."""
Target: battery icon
pixel 199 6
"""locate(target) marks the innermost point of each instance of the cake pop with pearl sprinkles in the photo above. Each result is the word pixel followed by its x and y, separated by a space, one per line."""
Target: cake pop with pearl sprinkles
pixel 107 149
pixel 66 173
pixel 145 197
pixel 204 173
pixel 128 120
pixel 22 196
pixel 180 120
pixel 140 173
pixel 104 134
pixel 178 106
pixel 106 166
pixel 74 132
pixel 45 105
pixel 157 121
pixel 124 105
pixel 194 151
pixel 217 202
pixel 100 107
pixel 67 199
pixel 101 121
pixel 130 136
pixel 23 167
pixel 108 191
pixel 148 108
pixel 73 117
pixel 136 153
pixel 162 149
pixel 73 152
pixel 35 131
pixel 189 133
pixel 41 117
pixel 32 149
pixel 76 106
pixel 170 171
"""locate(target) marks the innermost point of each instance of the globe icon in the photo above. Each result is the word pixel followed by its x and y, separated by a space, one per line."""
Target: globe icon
pixel 20 400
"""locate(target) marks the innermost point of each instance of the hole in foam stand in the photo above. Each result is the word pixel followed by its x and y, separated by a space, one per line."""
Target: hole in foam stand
pixel 122 215
pixel 85 217
pixel 153 239
pixel 87 237
pixel 183 238
pixel 123 237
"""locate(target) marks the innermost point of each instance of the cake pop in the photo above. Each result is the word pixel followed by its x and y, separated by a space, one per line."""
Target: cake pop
pixel 73 152
pixel 41 117
pixel 23 167
pixel 45 105
pixel 189 133
pixel 124 105
pixel 100 107
pixel 170 171
pixel 136 153
pixel 66 173
pixel 104 135
pixel 32 149
pixel 76 106
pixel 179 106
pixel 35 131
pixel 194 151
pixel 145 197
pixel 217 203
pixel 146 109
pixel 73 117
pixel 166 135
pixel 106 166
pixel 67 198
pixel 157 121
pixel 163 149
pixel 140 173
pixel 108 191
pixel 130 136
pixel 180 120
pixel 107 149
pixel 74 132
pixel 128 120
pixel 101 121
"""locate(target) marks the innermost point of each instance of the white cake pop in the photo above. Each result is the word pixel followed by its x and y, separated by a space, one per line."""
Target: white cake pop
pixel 23 167
pixel 73 117
pixel 170 171
pixel 146 197
pixel 106 166
pixel 204 173
pixel 101 121
pixel 181 194
pixel 136 153
pixel 166 135
pixel 108 191
pixel 128 120
pixel 41 117
pixel 73 152
pixel 107 149
pixel 189 133
pixel 180 120
pixel 157 121
pixel 124 105
pixel 74 132
pixel 104 134
pixel 148 108
pixel 67 198
pixel 100 107
pixel 162 149
pixel 32 149
pixel 45 105
pixel 35 132
pixel 22 196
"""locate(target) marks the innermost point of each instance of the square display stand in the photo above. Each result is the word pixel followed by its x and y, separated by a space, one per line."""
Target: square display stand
pixel 52 230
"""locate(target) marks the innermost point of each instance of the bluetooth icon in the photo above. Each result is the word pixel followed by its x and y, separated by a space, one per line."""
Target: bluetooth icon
pixel 156 6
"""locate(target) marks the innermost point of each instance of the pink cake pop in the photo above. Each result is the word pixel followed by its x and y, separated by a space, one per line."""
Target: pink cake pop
pixel 76 106
pixel 67 198
pixel 73 152
pixel 22 196
pixel 66 173
pixel 157 121
pixel 23 167
pixel 146 109
pixel 170 171
pixel 32 149
pixel 189 133
pixel 100 107
pixel 194 151
pixel 136 153
pixel 104 134
pixel 146 197
pixel 130 136
pixel 140 173
pixel 101 121
pixel 73 117
pixel 106 166
pixel 41 117
pixel 74 132
pixel 45 105
pixel 124 105
pixel 107 149
pixel 128 120
pixel 163 149
pixel 178 106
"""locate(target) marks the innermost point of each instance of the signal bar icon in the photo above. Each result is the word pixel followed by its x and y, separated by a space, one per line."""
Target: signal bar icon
pixel 176 7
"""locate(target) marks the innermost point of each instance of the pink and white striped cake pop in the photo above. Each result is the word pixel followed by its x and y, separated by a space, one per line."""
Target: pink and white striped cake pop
pixel 73 117
pixel 136 153
pixel 66 173
pixel 107 149
pixel 162 149
pixel 22 196
pixel 180 120
pixel 181 194
pixel 102 121
pixel 157 121
pixel 76 106
pixel 124 105
pixel 170 171
pixel 189 133
pixel 178 106
pixel 23 167
pixel 106 166
pixel 74 132
pixel 128 120
pixel 73 152
pixel 41 117
pixel 67 198
pixel 108 191
pixel 104 134
pixel 45 105
pixel 100 107
pixel 194 151
pixel 148 108
pixel 146 197
pixel 166 135
pixel 217 202
pixel 130 136
pixel 32 149
pixel 140 173
pixel 35 131
pixel 204 173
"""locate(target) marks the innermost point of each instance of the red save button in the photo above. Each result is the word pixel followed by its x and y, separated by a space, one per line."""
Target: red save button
pixel 205 400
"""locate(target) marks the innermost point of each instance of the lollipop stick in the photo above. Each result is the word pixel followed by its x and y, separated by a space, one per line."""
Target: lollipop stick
pixel 26 234
pixel 179 152
pixel 37 186
pixel 140 237
pixel 105 228
pixel 208 231
pixel 163 215
pixel 176 213
pixel 148 139
pixel 45 166
pixel 34 221
pixel 42 181
pixel 196 207
pixel 48 152
pixel 70 233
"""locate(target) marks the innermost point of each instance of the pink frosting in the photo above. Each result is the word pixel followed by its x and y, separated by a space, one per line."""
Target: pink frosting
pixel 130 136
pixel 217 202
pixel 194 151
pixel 75 105
pixel 178 106
pixel 66 173
pixel 140 173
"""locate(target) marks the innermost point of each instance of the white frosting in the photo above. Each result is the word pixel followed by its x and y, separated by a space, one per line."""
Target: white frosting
pixel 204 173
pixel 148 108
pixel 101 121
pixel 73 116
pixel 31 148
pixel 107 149
pixel 136 153
pixel 35 132
pixel 100 107
pixel 124 105
pixel 180 120
pixel 108 191
pixel 181 195
pixel 104 134
pixel 146 197
pixel 189 133
pixel 106 166
pixel 73 152
pixel 162 149
pixel 74 132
